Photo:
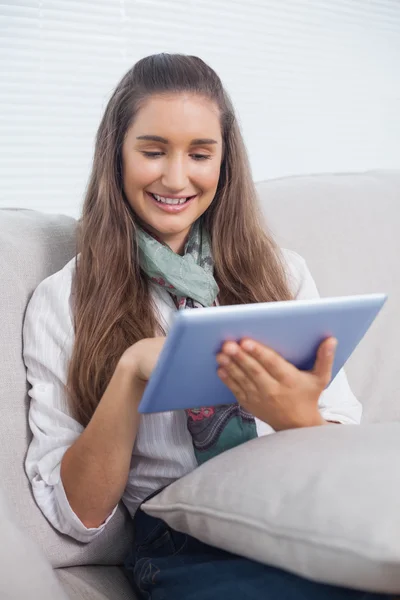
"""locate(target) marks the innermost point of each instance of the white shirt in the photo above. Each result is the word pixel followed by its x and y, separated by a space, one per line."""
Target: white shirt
pixel 163 451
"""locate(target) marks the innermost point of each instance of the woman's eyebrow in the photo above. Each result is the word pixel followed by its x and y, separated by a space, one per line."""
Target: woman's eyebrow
pixel 203 141
pixel 161 140
pixel 153 138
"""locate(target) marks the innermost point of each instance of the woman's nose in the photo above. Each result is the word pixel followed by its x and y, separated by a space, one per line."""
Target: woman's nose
pixel 175 176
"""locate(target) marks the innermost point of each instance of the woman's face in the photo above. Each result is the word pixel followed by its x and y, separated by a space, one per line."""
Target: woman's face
pixel 171 164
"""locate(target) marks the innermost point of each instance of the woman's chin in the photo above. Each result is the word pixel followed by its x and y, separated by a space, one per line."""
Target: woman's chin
pixel 173 225
pixel 174 235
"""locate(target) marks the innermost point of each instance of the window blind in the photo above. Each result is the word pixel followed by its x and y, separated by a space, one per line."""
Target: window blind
pixel 316 83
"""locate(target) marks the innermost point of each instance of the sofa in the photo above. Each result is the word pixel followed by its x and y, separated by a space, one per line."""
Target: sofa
pixel 345 225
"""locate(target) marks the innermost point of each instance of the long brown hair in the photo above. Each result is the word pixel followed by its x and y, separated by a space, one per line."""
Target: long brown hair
pixel 112 304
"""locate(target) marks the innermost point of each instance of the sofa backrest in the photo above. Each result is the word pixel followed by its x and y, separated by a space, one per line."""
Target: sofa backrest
pixel 347 226
pixel 32 247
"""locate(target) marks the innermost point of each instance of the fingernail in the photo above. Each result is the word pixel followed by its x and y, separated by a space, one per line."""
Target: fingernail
pixel 332 348
pixel 248 345
pixel 223 360
pixel 230 349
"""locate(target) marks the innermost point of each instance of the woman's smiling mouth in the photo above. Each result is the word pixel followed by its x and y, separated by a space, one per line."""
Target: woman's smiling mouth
pixel 171 204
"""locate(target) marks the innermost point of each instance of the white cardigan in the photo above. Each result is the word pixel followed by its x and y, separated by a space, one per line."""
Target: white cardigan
pixel 163 450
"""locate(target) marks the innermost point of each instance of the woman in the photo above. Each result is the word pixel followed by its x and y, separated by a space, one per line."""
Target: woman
pixel 170 222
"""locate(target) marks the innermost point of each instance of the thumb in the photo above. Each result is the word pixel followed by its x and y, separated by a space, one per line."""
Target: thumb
pixel 324 361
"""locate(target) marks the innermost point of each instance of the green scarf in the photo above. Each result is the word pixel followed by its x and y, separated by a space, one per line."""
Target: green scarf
pixel 189 278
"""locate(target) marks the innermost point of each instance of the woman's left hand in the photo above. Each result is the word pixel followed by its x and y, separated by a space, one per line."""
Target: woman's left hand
pixel 271 388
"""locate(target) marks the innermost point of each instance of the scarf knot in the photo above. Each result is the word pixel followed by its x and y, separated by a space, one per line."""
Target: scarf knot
pixel 188 276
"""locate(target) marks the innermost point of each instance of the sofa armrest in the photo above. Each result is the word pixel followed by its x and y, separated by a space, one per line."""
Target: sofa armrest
pixel 24 571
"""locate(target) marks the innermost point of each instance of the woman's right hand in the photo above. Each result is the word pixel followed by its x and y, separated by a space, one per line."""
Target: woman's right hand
pixel 142 357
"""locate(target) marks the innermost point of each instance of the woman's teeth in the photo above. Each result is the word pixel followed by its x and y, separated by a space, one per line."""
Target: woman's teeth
pixel 164 200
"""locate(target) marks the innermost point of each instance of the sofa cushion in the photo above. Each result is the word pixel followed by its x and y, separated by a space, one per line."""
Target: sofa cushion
pixel 322 502
pixel 24 571
pixel 95 583
pixel 32 247
pixel 346 227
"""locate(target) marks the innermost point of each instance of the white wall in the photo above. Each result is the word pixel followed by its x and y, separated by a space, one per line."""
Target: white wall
pixel 316 83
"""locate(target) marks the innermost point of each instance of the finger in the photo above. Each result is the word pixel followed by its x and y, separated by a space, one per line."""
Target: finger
pixel 276 366
pixel 324 361
pixel 236 373
pixel 255 372
pixel 236 390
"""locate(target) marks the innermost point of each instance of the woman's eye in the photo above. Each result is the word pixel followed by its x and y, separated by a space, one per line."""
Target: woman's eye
pixel 153 154
pixel 200 156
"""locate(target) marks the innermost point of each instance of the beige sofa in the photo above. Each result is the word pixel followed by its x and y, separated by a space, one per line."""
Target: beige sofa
pixel 345 225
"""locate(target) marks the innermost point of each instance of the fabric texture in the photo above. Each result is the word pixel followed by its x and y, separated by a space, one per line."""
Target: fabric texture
pixel 24 570
pixel 34 246
pixel 93 582
pixel 166 564
pixel 187 278
pixel 48 339
pixel 321 502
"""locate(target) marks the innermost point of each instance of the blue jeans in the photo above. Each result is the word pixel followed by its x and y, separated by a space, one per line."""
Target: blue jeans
pixel 167 565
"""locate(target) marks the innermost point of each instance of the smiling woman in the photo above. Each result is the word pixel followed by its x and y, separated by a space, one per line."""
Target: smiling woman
pixel 170 222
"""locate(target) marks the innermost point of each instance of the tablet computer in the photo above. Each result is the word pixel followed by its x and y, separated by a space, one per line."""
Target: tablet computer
pixel 186 373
